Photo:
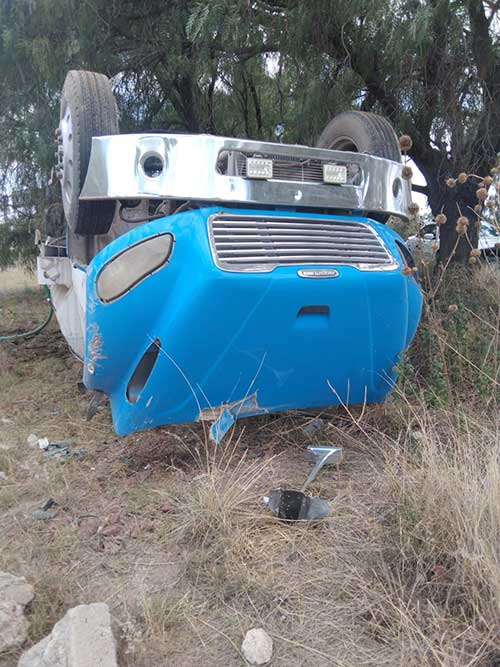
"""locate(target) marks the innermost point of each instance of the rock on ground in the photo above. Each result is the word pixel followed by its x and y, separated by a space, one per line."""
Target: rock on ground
pixel 257 647
pixel 13 625
pixel 82 638
pixel 15 588
pixel 15 593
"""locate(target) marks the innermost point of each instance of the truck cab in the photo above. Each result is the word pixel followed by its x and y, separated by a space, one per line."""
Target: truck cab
pixel 208 278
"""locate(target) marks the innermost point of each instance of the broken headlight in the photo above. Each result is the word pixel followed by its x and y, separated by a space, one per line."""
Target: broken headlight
pixel 133 265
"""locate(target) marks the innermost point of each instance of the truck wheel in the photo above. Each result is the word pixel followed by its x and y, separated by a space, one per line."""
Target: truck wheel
pixel 361 132
pixel 88 109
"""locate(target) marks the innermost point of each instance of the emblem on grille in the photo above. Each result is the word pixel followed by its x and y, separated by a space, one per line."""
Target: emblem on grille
pixel 318 273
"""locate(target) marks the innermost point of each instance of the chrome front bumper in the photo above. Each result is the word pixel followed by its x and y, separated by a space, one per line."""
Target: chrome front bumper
pixel 190 171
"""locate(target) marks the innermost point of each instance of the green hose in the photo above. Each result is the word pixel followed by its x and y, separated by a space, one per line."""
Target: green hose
pixel 34 332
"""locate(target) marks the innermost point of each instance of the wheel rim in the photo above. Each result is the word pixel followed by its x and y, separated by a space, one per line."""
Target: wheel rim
pixel 344 144
pixel 67 185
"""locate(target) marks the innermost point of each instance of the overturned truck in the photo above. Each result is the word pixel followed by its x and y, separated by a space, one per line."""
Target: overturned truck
pixel 210 278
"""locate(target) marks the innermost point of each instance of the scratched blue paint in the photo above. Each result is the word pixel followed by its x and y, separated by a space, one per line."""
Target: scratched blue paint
pixel 226 335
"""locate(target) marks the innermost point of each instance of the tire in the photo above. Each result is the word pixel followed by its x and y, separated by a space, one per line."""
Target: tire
pixel 88 109
pixel 361 132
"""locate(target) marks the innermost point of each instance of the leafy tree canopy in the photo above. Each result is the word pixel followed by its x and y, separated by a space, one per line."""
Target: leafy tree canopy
pixel 240 67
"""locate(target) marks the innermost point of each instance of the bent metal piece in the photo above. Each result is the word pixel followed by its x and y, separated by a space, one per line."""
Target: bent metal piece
pixel 293 505
pixel 322 456
pixel 162 166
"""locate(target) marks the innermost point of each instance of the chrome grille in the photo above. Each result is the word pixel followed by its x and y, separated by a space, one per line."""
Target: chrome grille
pixel 285 167
pixel 260 243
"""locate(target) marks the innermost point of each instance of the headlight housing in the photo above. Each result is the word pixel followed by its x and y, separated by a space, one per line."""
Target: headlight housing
pixel 127 269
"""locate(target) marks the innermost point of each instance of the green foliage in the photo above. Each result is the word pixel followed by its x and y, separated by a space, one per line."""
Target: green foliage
pixel 16 242
pixel 239 68
pixel 454 358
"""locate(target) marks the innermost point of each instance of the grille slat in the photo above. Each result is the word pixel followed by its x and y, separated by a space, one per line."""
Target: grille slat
pixel 306 259
pixel 349 248
pixel 250 240
pixel 266 231
pixel 243 243
pixel 299 251
pixel 280 224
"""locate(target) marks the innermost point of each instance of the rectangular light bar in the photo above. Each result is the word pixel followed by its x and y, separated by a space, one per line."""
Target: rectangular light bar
pixel 334 174
pixel 259 167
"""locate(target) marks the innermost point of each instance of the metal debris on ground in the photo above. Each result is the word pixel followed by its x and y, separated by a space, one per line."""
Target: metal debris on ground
pixel 291 505
pixel 314 426
pixel 46 512
pixel 322 456
pixel 3 477
pixel 32 440
pixel 57 450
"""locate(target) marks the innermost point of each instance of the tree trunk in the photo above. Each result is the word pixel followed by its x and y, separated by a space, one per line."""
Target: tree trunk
pixel 459 201
pixel 454 202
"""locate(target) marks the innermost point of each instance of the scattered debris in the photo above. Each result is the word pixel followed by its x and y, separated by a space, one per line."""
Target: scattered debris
pixel 57 450
pixel 32 440
pixel 322 456
pixel 4 420
pixel 15 593
pixel 292 505
pixel 46 513
pixel 83 637
pixel 314 426
pixel 257 647
pixel 3 477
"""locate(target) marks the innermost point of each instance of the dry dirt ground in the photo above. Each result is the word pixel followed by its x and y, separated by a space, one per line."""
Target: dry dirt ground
pixel 171 532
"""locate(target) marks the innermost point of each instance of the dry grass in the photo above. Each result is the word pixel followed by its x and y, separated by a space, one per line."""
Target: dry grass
pixel 172 533
pixel 15 279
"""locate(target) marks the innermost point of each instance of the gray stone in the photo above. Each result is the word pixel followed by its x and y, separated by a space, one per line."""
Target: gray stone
pixel 257 647
pixel 32 440
pixel 82 638
pixel 15 589
pixel 13 625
